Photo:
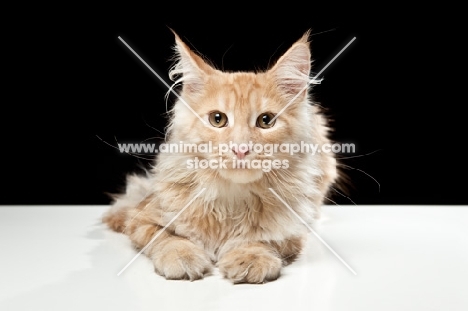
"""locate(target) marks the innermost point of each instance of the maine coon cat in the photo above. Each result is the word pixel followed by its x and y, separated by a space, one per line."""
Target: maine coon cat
pixel 236 222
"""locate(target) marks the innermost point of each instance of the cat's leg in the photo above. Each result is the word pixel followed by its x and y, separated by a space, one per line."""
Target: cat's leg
pixel 255 262
pixel 178 258
pixel 173 257
pixel 289 249
pixel 135 197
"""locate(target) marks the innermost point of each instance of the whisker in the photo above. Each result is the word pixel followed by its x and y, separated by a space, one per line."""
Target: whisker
pixel 353 168
pixel 154 137
pixel 332 201
pixel 360 155
pixel 318 33
pixel 154 128
pixel 129 153
pixel 343 195
pixel 222 58
pixel 134 153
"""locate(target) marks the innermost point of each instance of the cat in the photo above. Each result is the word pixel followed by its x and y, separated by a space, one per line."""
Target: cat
pixel 236 222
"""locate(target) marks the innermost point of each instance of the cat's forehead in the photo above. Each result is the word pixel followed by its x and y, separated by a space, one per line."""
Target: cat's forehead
pixel 239 82
pixel 240 91
pixel 241 78
pixel 239 88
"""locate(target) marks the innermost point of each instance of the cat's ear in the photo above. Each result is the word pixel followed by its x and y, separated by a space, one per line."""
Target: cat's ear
pixel 291 71
pixel 190 69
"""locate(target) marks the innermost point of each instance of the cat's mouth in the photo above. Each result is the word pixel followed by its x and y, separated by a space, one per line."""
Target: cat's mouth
pixel 241 170
pixel 241 175
pixel 246 169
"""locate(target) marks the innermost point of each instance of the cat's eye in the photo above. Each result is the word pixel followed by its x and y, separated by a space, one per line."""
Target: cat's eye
pixel 218 119
pixel 264 120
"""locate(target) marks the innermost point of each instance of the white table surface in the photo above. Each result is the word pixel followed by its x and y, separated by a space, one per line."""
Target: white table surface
pixel 406 258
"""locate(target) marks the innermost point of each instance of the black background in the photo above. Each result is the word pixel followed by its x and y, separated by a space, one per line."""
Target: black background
pixel 70 80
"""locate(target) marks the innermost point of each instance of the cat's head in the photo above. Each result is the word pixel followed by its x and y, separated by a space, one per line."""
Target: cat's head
pixel 243 110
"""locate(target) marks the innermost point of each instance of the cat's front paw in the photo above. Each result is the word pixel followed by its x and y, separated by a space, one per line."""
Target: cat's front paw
pixel 250 265
pixel 181 259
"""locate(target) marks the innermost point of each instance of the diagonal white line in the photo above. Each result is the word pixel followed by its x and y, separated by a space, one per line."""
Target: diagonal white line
pixel 160 232
pixel 313 80
pixel 313 231
pixel 164 82
pixel 333 59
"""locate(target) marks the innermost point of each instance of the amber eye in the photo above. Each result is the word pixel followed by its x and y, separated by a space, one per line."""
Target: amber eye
pixel 264 119
pixel 218 119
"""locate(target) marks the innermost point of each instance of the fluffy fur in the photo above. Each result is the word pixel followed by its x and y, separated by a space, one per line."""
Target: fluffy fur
pixel 237 223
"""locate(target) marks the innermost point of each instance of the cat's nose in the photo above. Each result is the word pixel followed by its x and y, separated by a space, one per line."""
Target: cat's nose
pixel 240 154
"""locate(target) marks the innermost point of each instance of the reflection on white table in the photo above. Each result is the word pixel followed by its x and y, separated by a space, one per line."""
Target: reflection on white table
pixel 406 257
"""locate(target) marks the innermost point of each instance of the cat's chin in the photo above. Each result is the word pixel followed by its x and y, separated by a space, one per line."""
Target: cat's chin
pixel 241 176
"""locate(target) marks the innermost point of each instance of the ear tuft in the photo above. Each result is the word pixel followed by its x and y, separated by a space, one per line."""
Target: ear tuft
pixel 291 71
pixel 189 69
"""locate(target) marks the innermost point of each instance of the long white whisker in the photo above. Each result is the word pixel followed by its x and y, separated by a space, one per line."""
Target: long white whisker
pixel 332 201
pixel 154 128
pixel 129 153
pixel 342 195
pixel 360 155
pixel 353 168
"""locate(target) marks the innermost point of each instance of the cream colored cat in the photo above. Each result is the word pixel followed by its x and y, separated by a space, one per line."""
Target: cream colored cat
pixel 236 223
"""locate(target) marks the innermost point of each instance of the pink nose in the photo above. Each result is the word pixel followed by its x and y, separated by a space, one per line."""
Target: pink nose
pixel 240 155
